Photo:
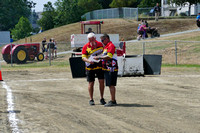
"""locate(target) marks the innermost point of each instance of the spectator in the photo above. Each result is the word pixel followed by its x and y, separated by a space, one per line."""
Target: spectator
pixel 51 48
pixel 139 26
pixel 91 49
pixel 11 39
pixel 44 47
pixel 198 20
pixel 89 31
pixel 151 30
pixel 146 23
pixel 157 11
pixel 147 28
pixel 142 31
pixel 55 47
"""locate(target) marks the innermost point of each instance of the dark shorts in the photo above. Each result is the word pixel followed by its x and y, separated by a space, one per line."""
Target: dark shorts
pixel 92 73
pixel 141 32
pixel 111 78
pixel 44 50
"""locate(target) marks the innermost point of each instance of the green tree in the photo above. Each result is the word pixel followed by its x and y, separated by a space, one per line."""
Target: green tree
pixel 148 3
pixel 123 3
pixel 48 15
pixel 105 3
pixel 12 10
pixel 22 29
pixel 89 5
pixel 184 2
pixel 68 11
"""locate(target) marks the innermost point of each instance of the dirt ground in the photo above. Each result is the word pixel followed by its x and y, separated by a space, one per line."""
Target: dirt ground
pixel 38 101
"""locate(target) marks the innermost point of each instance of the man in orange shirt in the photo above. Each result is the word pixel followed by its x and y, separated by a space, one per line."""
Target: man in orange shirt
pixel 93 67
pixel 110 67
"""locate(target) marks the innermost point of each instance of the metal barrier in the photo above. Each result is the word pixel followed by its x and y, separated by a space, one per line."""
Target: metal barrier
pixel 173 52
pixel 112 13
pixel 135 13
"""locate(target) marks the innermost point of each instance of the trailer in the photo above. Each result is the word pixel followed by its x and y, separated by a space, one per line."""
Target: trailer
pixel 128 65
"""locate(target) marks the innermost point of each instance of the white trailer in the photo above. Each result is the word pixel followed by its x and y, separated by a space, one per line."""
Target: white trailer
pixel 128 65
pixel 79 40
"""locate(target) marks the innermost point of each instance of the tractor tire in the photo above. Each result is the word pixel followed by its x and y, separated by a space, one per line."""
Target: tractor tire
pixel 40 56
pixel 20 55
pixel 7 58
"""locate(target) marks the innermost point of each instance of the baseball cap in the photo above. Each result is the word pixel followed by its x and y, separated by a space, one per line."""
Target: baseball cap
pixel 90 35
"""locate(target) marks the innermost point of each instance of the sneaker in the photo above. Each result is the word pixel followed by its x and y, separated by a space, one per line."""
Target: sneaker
pixel 91 102
pixel 110 103
pixel 102 101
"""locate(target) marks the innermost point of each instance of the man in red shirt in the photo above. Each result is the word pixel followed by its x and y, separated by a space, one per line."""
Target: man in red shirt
pixel 93 67
pixel 110 67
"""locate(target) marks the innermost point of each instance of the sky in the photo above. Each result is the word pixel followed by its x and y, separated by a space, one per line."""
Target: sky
pixel 40 4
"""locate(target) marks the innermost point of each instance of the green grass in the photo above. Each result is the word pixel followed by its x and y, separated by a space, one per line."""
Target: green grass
pixel 36 64
pixel 181 65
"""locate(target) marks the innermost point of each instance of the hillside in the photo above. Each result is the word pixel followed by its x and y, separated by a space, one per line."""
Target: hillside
pixel 126 28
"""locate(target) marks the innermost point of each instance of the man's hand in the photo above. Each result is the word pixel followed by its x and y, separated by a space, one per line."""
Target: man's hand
pixel 91 62
pixel 96 58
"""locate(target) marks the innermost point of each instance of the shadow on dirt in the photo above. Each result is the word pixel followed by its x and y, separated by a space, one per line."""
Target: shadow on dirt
pixel 133 105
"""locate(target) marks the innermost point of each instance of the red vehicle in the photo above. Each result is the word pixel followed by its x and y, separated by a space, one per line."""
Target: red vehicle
pixel 97 24
pixel 22 52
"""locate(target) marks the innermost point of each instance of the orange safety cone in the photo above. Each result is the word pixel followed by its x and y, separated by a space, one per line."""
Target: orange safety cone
pixel 1 76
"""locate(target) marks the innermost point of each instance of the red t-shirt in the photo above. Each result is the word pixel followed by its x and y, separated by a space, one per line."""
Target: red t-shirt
pixel 88 51
pixel 110 65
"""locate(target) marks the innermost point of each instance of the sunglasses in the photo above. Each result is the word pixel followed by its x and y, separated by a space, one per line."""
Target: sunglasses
pixel 103 40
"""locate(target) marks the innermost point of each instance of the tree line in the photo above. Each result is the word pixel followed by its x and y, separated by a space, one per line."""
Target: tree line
pixel 15 14
pixel 70 11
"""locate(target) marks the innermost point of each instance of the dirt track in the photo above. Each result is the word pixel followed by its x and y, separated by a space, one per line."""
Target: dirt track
pixel 55 103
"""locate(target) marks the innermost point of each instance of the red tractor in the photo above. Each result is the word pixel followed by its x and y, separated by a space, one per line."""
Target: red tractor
pixel 22 52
